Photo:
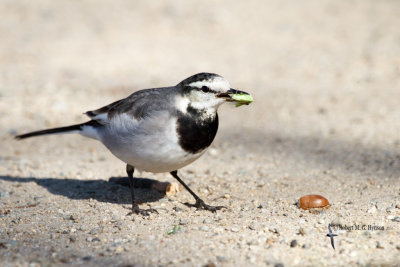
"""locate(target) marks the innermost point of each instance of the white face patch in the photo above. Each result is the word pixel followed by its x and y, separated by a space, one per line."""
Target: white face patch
pixel 218 84
pixel 182 103
pixel 205 101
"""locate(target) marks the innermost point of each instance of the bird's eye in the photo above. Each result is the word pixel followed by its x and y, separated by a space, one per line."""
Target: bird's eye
pixel 205 89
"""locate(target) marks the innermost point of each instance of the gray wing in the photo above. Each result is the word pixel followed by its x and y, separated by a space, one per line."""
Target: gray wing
pixel 138 105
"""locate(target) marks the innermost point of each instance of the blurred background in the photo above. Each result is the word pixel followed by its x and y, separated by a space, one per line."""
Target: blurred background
pixel 325 76
pixel 319 71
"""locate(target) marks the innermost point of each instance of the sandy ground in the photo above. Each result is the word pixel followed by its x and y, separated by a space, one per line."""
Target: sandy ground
pixel 325 76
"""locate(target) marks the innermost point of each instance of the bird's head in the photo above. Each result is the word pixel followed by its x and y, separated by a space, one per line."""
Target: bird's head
pixel 207 91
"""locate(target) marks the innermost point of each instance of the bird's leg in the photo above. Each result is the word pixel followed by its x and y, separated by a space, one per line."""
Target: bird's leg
pixel 199 202
pixel 135 207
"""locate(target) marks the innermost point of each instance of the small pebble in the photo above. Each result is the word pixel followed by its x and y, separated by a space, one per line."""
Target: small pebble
pixel 210 264
pixel 372 210
pixel 118 249
pixel 235 229
pixel 367 234
pixel 4 194
pixel 293 243
pixel 353 254
pixel 390 210
pixel 73 217
pixel 301 231
pixel 274 230
pixel 244 208
pixel 177 209
pixel 83 227
pixel 253 242
pixel 4 245
pixel 95 231
pixel 338 222
pixel 96 239
pixel 204 228
pixel 221 258
pixel 207 221
pixel 115 218
pixel 252 259
pixel 380 206
pixel 87 258
pixel 183 221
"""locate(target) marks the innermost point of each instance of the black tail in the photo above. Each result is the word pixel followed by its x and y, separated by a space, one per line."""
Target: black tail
pixel 65 129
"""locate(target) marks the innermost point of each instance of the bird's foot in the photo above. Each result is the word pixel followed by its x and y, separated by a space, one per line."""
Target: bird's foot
pixel 200 205
pixel 143 212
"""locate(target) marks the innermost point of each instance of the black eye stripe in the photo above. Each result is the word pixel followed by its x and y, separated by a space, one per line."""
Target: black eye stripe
pixel 205 89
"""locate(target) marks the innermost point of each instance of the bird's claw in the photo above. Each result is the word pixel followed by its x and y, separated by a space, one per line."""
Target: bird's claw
pixel 200 205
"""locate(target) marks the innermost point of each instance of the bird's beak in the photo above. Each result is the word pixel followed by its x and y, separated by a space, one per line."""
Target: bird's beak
pixel 239 97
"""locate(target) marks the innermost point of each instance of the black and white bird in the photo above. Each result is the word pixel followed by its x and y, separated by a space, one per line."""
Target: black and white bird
pixel 160 129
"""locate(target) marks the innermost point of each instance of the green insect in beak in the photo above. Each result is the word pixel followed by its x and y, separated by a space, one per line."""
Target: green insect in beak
pixel 239 97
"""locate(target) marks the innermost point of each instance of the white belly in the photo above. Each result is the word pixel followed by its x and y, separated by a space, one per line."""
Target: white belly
pixel 150 145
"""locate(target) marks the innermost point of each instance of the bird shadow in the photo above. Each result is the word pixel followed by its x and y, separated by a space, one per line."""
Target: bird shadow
pixel 115 190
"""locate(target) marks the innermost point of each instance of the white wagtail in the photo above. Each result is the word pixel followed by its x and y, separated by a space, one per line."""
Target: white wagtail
pixel 160 129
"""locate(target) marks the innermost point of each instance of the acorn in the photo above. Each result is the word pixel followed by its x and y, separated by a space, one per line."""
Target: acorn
pixel 167 188
pixel 313 201
pixel 172 189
